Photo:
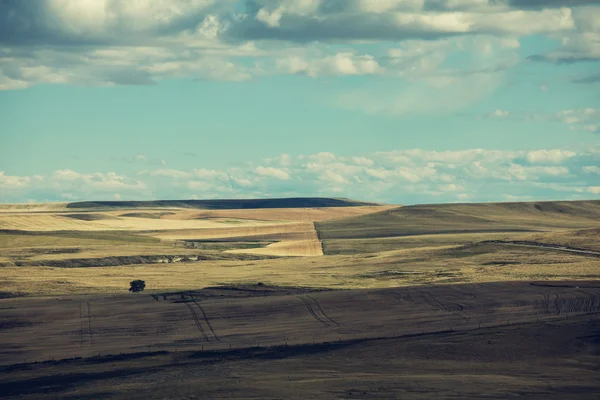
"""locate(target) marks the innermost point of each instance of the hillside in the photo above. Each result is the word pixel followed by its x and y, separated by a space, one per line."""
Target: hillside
pixel 225 204
pixel 465 218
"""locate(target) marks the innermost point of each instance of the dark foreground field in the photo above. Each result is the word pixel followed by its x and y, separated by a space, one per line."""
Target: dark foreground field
pixel 495 340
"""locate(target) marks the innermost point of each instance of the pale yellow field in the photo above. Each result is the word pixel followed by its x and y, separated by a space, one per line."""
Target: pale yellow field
pixel 33 207
pixel 282 214
pixel 288 248
pixel 237 231
pixel 61 222
pixel 310 246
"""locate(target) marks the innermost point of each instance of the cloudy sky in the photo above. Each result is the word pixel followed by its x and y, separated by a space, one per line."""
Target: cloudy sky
pixel 403 101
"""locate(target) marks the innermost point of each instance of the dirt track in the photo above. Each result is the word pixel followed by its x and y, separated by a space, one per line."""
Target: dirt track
pixel 548 246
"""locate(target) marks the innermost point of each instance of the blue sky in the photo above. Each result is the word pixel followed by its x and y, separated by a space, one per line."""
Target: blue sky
pixel 403 101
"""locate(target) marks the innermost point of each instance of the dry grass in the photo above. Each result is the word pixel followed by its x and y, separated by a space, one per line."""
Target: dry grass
pixel 465 218
pixel 578 238
pixel 353 263
pixel 282 214
pixel 288 248
pixel 62 222
pixel 34 207
pixel 417 266
pixel 264 231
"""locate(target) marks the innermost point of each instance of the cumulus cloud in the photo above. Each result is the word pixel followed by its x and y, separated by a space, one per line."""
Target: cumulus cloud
pixel 337 64
pixel 391 20
pixel 549 156
pixel 272 172
pixel 98 181
pixel 12 182
pixel 587 119
pixel 579 44
pixel 131 42
pixel 500 114
pixel 171 173
pixel 592 169
pixel 401 176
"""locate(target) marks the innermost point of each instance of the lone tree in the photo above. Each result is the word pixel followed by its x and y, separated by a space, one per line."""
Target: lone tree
pixel 137 286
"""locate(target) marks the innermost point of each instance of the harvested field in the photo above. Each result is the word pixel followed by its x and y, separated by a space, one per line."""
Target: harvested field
pixel 283 214
pixel 467 303
pixel 291 248
pixel 309 246
pixel 58 222
pixel 34 207
pixel 268 232
pixel 547 359
pixel 465 218
pixel 130 323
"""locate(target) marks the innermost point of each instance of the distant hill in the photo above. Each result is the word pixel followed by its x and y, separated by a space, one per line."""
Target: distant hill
pixel 465 218
pixel 229 204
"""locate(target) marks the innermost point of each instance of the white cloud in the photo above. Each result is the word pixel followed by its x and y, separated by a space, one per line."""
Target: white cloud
pixel 362 161
pixel 13 182
pixel 333 177
pixel 110 42
pixel 554 156
pixel 587 119
pixel 500 114
pixel 199 185
pixel 404 176
pixel 581 43
pixel 451 187
pixel 272 172
pixel 98 181
pixel 204 173
pixel 171 173
pixel 337 64
pixel 592 169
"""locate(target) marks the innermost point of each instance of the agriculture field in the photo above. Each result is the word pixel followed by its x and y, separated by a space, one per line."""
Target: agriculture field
pixel 346 342
pixel 318 289
pixel 466 218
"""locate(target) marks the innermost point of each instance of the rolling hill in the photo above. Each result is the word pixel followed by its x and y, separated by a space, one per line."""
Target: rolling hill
pixel 465 218
pixel 225 204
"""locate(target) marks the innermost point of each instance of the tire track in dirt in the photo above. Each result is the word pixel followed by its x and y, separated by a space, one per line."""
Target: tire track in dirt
pixel 571 303
pixel 312 312
pixel 205 317
pixel 197 321
pixel 86 336
pixel 455 309
pixel 90 324
pixel 546 246
pixel 322 312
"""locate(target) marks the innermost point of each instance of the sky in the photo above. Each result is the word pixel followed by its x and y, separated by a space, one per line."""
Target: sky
pixel 395 101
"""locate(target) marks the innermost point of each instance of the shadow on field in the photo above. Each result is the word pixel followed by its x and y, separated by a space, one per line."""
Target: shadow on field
pixel 61 382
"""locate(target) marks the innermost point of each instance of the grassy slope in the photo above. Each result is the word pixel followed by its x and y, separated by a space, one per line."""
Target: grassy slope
pixel 465 218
